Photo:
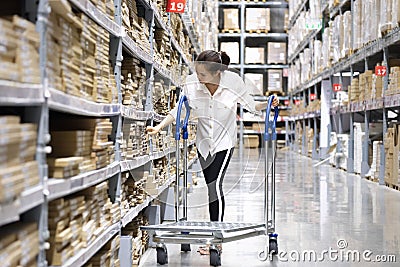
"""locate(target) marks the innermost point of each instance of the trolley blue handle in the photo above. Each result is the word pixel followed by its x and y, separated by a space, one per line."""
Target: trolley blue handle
pixel 270 125
pixel 182 100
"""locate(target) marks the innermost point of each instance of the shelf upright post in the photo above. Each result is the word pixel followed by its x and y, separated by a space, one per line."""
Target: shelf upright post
pixel 43 132
pixel 304 145
pixel 350 158
pixel 116 59
pixel 149 14
pixel 384 112
pixel 364 162
pixel 242 45
pixel 316 134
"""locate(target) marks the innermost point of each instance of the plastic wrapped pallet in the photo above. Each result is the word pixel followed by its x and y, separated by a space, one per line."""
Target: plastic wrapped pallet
pixel 294 77
pixel 317 57
pixel 326 48
pixel 305 60
pixel 258 19
pixel 254 55
pixel 232 48
pixel 231 19
pixel 275 80
pixel 337 38
pixel 346 45
pixel 385 23
pixel 276 53
pixel 376 160
pixel 343 143
pixel 395 13
pixel 357 12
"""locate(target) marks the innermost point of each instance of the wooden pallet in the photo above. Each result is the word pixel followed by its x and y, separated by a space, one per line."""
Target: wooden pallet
pixel 393 186
pixel 385 29
pixel 256 1
pixel 372 179
pixel 258 31
pixel 230 30
pixel 278 93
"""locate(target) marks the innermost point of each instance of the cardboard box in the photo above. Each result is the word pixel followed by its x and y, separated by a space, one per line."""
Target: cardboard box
pixel 274 80
pixel 251 141
pixel 231 18
pixel 232 49
pixel 254 55
pixel 254 83
pixel 276 53
pixel 258 19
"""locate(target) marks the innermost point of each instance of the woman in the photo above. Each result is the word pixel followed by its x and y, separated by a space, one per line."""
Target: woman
pixel 213 94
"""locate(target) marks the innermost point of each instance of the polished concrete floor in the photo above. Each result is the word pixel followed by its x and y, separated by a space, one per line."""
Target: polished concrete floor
pixel 324 216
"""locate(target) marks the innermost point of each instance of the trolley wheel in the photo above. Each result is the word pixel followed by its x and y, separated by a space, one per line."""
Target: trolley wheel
pixel 273 246
pixel 185 247
pixel 162 254
pixel 215 257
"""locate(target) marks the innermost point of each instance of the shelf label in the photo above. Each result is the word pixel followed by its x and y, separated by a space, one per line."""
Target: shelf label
pixel 297 102
pixel 337 87
pixel 313 97
pixel 380 70
pixel 176 6
pixel 313 24
pixel 286 102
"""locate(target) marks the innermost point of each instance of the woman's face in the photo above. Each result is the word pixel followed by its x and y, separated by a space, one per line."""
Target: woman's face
pixel 204 75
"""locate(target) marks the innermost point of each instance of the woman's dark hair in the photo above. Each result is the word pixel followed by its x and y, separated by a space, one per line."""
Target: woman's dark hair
pixel 221 59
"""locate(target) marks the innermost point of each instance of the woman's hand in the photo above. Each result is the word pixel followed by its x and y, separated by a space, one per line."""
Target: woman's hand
pixel 275 102
pixel 152 130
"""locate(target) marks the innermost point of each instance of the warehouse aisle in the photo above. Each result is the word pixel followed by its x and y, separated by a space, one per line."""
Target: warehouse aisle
pixel 318 209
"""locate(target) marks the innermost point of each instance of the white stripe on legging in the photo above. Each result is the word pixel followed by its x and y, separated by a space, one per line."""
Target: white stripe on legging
pixel 217 184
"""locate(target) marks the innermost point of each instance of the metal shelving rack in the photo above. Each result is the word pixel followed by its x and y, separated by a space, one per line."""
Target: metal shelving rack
pixel 366 111
pixel 40 100
pixel 242 37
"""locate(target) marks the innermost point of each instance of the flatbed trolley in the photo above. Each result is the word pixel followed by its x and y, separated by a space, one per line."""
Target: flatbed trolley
pixel 214 233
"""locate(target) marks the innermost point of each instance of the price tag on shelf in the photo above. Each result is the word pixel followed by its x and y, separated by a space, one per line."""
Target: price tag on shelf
pixel 313 97
pixel 380 70
pixel 337 87
pixel 297 102
pixel 286 102
pixel 176 6
pixel 313 24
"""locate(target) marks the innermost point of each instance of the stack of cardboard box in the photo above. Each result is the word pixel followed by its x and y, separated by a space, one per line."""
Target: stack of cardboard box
pixel 139 238
pixel 231 19
pixel 276 53
pixel 19 56
pixel 19 170
pixel 254 55
pixel 161 94
pixel 391 144
pixel 258 20
pixel 133 192
pixel 19 244
pixel 134 80
pixel 394 81
pixel 134 139
pixel 365 85
pixel 107 255
pixel 80 145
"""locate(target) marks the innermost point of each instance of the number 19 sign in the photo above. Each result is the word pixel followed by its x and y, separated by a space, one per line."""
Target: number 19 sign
pixel 176 6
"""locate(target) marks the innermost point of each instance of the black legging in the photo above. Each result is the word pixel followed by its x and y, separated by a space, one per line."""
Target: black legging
pixel 214 169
